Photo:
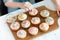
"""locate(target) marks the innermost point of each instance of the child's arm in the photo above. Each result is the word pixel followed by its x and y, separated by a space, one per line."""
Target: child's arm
pixel 22 5
pixel 57 2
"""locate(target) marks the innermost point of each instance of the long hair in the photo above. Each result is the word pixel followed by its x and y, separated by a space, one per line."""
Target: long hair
pixel 3 8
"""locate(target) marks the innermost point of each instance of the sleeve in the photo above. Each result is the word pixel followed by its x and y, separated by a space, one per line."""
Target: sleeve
pixel 7 0
pixel 4 1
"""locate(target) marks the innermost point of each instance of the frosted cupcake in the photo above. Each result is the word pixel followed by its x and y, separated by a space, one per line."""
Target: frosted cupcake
pixel 33 30
pixel 44 27
pixel 15 26
pixel 44 13
pixel 25 24
pixel 22 16
pixel 11 19
pixel 28 5
pixel 21 33
pixel 35 20
pixel 49 20
pixel 33 12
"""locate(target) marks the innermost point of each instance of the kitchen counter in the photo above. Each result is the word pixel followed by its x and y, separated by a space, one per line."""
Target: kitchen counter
pixel 6 34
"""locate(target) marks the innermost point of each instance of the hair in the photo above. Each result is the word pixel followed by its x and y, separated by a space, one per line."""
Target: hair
pixel 3 8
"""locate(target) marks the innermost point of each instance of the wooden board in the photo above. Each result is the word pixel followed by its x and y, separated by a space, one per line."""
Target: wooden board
pixel 52 27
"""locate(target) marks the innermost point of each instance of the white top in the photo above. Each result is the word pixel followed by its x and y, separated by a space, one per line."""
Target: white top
pixel 5 33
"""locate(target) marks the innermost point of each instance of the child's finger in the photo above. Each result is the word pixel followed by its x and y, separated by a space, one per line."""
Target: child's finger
pixel 58 13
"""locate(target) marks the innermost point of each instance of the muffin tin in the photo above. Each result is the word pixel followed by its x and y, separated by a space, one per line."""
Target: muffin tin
pixel 53 14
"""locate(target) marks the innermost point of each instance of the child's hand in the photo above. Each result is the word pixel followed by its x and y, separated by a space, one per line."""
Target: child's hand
pixel 58 10
pixel 57 2
pixel 26 6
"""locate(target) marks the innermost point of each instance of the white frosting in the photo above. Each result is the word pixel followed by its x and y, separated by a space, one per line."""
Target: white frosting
pixel 25 24
pixel 49 20
pixel 21 33
pixel 22 16
pixel 44 13
pixel 33 30
pixel 44 26
pixel 11 19
pixel 15 26
pixel 33 12
pixel 28 5
pixel 35 20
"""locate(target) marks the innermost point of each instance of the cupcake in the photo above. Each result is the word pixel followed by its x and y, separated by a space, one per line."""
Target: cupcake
pixel 22 16
pixel 15 26
pixel 49 20
pixel 25 24
pixel 33 30
pixel 44 13
pixel 44 27
pixel 11 19
pixel 21 33
pixel 35 20
pixel 28 5
pixel 33 12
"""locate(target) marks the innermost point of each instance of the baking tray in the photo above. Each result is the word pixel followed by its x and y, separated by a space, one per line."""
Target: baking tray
pixel 53 27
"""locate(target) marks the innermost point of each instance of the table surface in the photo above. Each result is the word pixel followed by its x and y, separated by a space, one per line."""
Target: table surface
pixel 5 33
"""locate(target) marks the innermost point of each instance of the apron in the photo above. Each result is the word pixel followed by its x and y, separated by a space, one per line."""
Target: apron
pixel 3 8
